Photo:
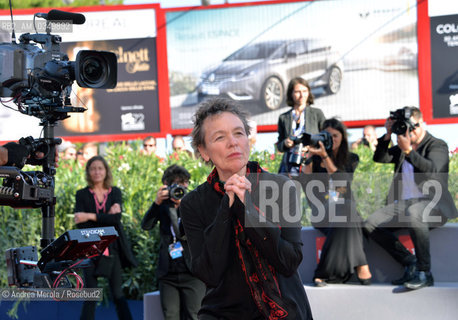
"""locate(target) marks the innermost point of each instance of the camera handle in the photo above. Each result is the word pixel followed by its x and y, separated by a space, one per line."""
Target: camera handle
pixel 50 42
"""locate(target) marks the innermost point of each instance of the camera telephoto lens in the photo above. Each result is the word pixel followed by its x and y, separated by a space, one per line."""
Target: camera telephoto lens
pixel 96 69
pixel 93 70
pixel 399 127
pixel 324 137
pixel 176 191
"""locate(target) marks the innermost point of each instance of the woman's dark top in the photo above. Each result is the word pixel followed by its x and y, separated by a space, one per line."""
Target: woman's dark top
pixel 209 225
pixel 84 202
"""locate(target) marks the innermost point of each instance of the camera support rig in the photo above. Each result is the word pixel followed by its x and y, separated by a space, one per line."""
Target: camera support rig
pixel 49 168
pixel 35 189
pixel 39 82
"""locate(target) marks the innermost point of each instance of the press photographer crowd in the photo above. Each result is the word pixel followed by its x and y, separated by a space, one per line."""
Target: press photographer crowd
pixel 229 247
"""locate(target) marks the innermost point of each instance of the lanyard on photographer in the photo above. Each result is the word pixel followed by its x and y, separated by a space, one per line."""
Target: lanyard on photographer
pixel 174 224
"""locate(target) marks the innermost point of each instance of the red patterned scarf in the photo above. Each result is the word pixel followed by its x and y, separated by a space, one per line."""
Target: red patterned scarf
pixel 260 276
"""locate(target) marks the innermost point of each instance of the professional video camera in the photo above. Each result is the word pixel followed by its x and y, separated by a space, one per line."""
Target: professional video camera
pixel 38 81
pixel 402 120
pixel 42 78
pixel 306 139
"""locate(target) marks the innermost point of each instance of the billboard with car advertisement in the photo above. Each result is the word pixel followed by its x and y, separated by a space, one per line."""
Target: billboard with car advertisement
pixel 359 56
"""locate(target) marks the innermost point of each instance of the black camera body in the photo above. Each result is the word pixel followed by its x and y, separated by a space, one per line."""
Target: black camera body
pixel 176 192
pixel 402 121
pixel 306 139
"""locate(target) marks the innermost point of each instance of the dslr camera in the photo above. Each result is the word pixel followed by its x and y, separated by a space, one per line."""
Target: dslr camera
pixel 176 192
pixel 306 139
pixel 402 121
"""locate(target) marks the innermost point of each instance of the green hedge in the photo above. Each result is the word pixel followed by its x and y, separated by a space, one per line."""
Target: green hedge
pixel 139 178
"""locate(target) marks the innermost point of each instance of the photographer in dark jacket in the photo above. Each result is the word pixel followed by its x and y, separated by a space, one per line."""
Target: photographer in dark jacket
pixel 418 198
pixel 178 287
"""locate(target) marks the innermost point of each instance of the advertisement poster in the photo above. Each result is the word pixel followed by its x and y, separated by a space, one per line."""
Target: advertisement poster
pixel 132 106
pixel 359 56
pixel 444 65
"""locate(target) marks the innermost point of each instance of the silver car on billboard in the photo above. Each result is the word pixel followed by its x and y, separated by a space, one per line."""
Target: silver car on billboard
pixel 261 71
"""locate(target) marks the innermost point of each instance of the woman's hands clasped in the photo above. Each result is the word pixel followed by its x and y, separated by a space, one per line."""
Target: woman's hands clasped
pixel 237 185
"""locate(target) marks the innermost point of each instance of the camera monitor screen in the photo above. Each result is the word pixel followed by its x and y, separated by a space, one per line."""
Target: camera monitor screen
pixel 78 244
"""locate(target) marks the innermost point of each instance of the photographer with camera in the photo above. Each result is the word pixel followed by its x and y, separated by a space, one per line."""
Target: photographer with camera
pixel 177 286
pixel 331 169
pixel 369 138
pixel 418 199
pixel 301 118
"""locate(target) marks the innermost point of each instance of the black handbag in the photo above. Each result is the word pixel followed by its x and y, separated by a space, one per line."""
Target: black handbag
pixel 103 266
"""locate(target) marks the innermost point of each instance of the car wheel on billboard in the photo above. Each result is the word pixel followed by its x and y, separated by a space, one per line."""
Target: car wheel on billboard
pixel 272 93
pixel 334 80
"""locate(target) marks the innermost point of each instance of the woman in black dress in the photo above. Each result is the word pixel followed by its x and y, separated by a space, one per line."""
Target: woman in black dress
pixel 100 205
pixel 333 209
pixel 246 254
